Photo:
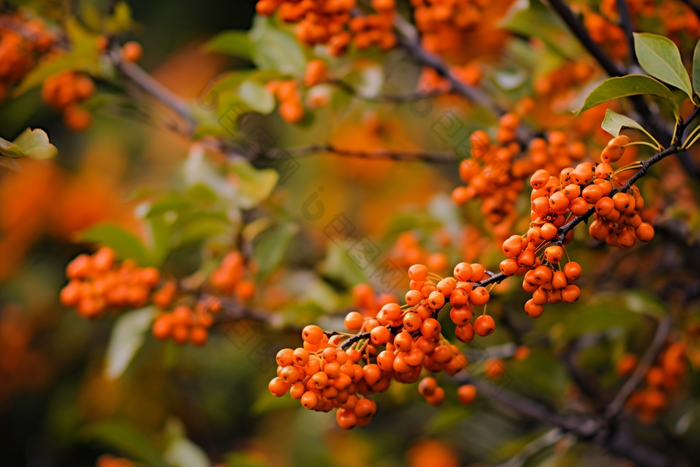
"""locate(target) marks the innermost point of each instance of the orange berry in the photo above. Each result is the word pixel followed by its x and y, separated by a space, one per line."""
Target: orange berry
pixel 132 51
pixel 484 325
pixel 312 334
pixel 466 394
pixel 353 321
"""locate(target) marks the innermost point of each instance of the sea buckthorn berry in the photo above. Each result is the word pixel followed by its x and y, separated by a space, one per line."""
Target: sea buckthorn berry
pixel 413 297
pixel 513 246
pixel 478 273
pixel 315 72
pixel 461 316
pixel 571 293
pixel 539 179
pixel 418 272
pixel 437 397
pixel 436 300
pixel 479 296
pixel 132 51
pixel 645 232
pixel 466 394
pixel 412 322
pixel 532 309
pixel 484 325
pixel 430 328
pixel 465 333
pixel 464 272
pixel 427 386
pixel 559 280
pixel 458 297
pixel 353 321
pixel 572 270
pixel 509 266
pixel 592 193
pixel 380 335
pixel 553 254
pixel 548 231
pixel 578 207
pixel 312 334
pixel 392 311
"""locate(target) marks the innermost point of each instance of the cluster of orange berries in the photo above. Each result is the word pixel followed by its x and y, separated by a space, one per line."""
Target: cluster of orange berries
pixel 430 79
pixel 107 460
pixel 327 373
pixel 64 92
pixel 327 22
pixel 21 44
pixel 496 173
pixel 443 22
pixel 662 380
pixel 617 217
pixel 185 324
pixel 229 277
pixel 560 82
pixel 98 282
pixel 543 275
pixel 435 395
pixel 287 94
pixel 407 251
pixel 607 34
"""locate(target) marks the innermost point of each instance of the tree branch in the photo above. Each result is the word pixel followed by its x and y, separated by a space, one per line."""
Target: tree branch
pixel 631 385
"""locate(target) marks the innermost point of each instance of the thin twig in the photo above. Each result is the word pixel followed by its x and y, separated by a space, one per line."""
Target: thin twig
pixel 631 385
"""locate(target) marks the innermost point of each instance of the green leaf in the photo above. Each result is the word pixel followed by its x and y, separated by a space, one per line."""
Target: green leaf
pixel 696 68
pixel 234 43
pixel 625 86
pixel 254 185
pixel 277 49
pixel 31 143
pixel 128 335
pixel 269 250
pixel 256 96
pixel 124 244
pixel 535 19
pixel 126 439
pixel 660 57
pixel 613 123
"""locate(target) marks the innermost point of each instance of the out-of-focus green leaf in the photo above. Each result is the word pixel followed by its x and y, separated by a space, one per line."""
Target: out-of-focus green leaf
pixel 630 85
pixel 339 266
pixel 596 317
pixel 613 123
pixel 238 459
pixel 446 419
pixel 128 335
pixel 126 439
pixel 696 68
pixel 158 240
pixel 270 248
pixel 124 244
pixel 254 185
pixel 236 43
pixel 256 227
pixel 644 303
pixel 256 96
pixel 180 451
pixel 121 19
pixel 275 48
pixel 540 373
pixel 30 143
pixel 535 19
pixel 660 57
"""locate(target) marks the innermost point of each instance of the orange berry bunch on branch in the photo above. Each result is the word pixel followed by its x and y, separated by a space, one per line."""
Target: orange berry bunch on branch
pixel 287 94
pixel 229 277
pixel 185 324
pixel 98 282
pixel 339 370
pixel 496 173
pixel 329 22
pixel 662 380
pixel 443 22
pixel 22 43
pixel 64 92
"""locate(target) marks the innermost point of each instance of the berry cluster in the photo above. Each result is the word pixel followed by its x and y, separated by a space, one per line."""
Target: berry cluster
pixel 229 277
pixel 662 380
pixel 617 217
pixel 558 83
pixel 435 395
pixel 64 91
pixel 495 173
pixel 329 22
pixel 185 324
pixel 430 79
pixel 607 34
pixel 443 22
pixel 287 93
pixel 407 251
pixel 338 370
pixel 98 282
pixel 21 44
